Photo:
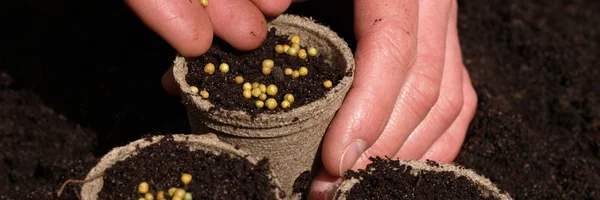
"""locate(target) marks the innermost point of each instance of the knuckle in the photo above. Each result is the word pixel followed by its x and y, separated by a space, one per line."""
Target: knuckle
pixel 426 87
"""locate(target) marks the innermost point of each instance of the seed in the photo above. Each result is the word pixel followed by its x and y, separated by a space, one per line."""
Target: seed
pixel 279 48
pixel 286 47
pixel 247 94
pixel 327 84
pixel 272 90
pixel 204 94
pixel 295 39
pixel 177 198
pixel 312 51
pixel 179 192
pixel 255 85
pixel 292 51
pixel 262 96
pixel 149 196
pixel 188 196
pixel 209 68
pixel 143 188
pixel 256 92
pixel 285 104
pixel 295 73
pixel 204 3
pixel 171 191
pixel 271 103
pixel 266 70
pixel 289 98
pixel 194 89
pixel 262 88
pixel 268 63
pixel 296 46
pixel 239 79
pixel 186 178
pixel 302 54
pixel 288 71
pixel 160 195
pixel 224 67
pixel 247 86
pixel 142 198
pixel 259 104
pixel 303 71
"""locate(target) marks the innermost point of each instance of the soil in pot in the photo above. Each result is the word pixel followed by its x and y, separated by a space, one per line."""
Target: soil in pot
pixel 389 179
pixel 224 92
pixel 162 164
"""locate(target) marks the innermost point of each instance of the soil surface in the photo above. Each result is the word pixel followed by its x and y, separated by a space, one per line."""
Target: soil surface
pixel 533 63
pixel 213 176
pixel 224 92
pixel 389 179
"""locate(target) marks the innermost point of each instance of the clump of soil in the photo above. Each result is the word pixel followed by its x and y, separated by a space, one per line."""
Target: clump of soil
pixel 214 176
pixel 389 179
pixel 302 184
pixel 225 93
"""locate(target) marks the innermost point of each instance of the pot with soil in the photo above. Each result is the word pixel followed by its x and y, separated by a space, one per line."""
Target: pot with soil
pixel 276 101
pixel 411 179
pixel 180 167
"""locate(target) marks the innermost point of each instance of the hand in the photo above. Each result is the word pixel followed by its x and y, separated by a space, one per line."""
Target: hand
pixel 411 98
pixel 188 26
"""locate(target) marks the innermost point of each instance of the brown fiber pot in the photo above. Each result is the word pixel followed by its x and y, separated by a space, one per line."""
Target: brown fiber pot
pixel 289 139
pixel 486 187
pixel 206 142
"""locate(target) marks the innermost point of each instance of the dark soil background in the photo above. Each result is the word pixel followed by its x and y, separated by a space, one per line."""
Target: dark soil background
pixel 81 77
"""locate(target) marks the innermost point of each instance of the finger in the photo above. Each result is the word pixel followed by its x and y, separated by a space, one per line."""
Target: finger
pixel 183 24
pixel 421 90
pixel 386 49
pixel 446 148
pixel 238 22
pixel 272 8
pixel 323 186
pixel 449 103
pixel 168 82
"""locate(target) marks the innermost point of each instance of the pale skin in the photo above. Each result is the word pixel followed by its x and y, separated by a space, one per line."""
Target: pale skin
pixel 411 98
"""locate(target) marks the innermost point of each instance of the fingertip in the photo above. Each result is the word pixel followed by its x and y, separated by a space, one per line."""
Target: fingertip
pixel 272 8
pixel 240 23
pixel 324 186
pixel 168 82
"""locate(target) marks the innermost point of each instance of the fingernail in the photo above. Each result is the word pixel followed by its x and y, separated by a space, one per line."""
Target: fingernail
pixel 330 193
pixel 350 155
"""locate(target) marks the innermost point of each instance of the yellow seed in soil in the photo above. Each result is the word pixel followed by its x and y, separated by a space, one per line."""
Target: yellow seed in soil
pixel 268 63
pixel 143 188
pixel 295 73
pixel 209 68
pixel 171 191
pixel 247 86
pixel 224 67
pixel 247 94
pixel 255 85
pixel 288 71
pixel 149 196
pixel 204 94
pixel 266 70
pixel 285 104
pixel 239 79
pixel 263 88
pixel 179 192
pixel 312 51
pixel 272 90
pixel 256 92
pixel 271 103
pixel 188 196
pixel 204 3
pixel 327 84
pixel 303 71
pixel 289 97
pixel 302 54
pixel 286 47
pixel 194 89
pixel 177 198
pixel 295 39
pixel 160 195
pixel 262 96
pixel 186 178
pixel 292 52
pixel 259 104
pixel 279 48
pixel 296 46
pixel 141 198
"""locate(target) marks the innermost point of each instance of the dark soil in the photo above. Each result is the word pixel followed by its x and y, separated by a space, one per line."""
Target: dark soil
pixel 227 94
pixel 533 63
pixel 213 176
pixel 302 184
pixel 392 180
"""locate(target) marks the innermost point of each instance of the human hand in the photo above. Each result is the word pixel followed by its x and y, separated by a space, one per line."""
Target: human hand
pixel 411 98
pixel 188 26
